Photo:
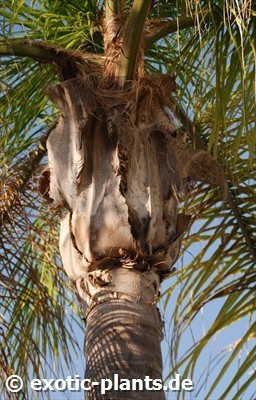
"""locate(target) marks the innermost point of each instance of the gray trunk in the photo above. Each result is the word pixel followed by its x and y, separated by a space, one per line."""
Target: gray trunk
pixel 123 335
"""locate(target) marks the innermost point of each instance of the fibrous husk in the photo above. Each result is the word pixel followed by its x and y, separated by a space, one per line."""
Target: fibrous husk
pixel 116 160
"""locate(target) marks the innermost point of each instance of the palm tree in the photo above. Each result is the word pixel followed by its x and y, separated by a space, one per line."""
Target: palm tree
pixel 127 148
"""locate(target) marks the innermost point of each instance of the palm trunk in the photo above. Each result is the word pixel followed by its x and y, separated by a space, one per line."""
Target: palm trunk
pixel 123 335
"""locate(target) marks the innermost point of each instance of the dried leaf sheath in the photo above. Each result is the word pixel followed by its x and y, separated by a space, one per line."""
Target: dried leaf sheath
pixel 115 160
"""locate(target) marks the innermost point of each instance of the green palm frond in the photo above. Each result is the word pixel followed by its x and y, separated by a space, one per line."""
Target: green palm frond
pixel 35 295
pixel 217 57
pixel 224 268
pixel 69 24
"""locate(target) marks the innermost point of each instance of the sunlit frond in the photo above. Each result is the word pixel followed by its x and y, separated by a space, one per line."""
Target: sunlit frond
pixel 70 24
